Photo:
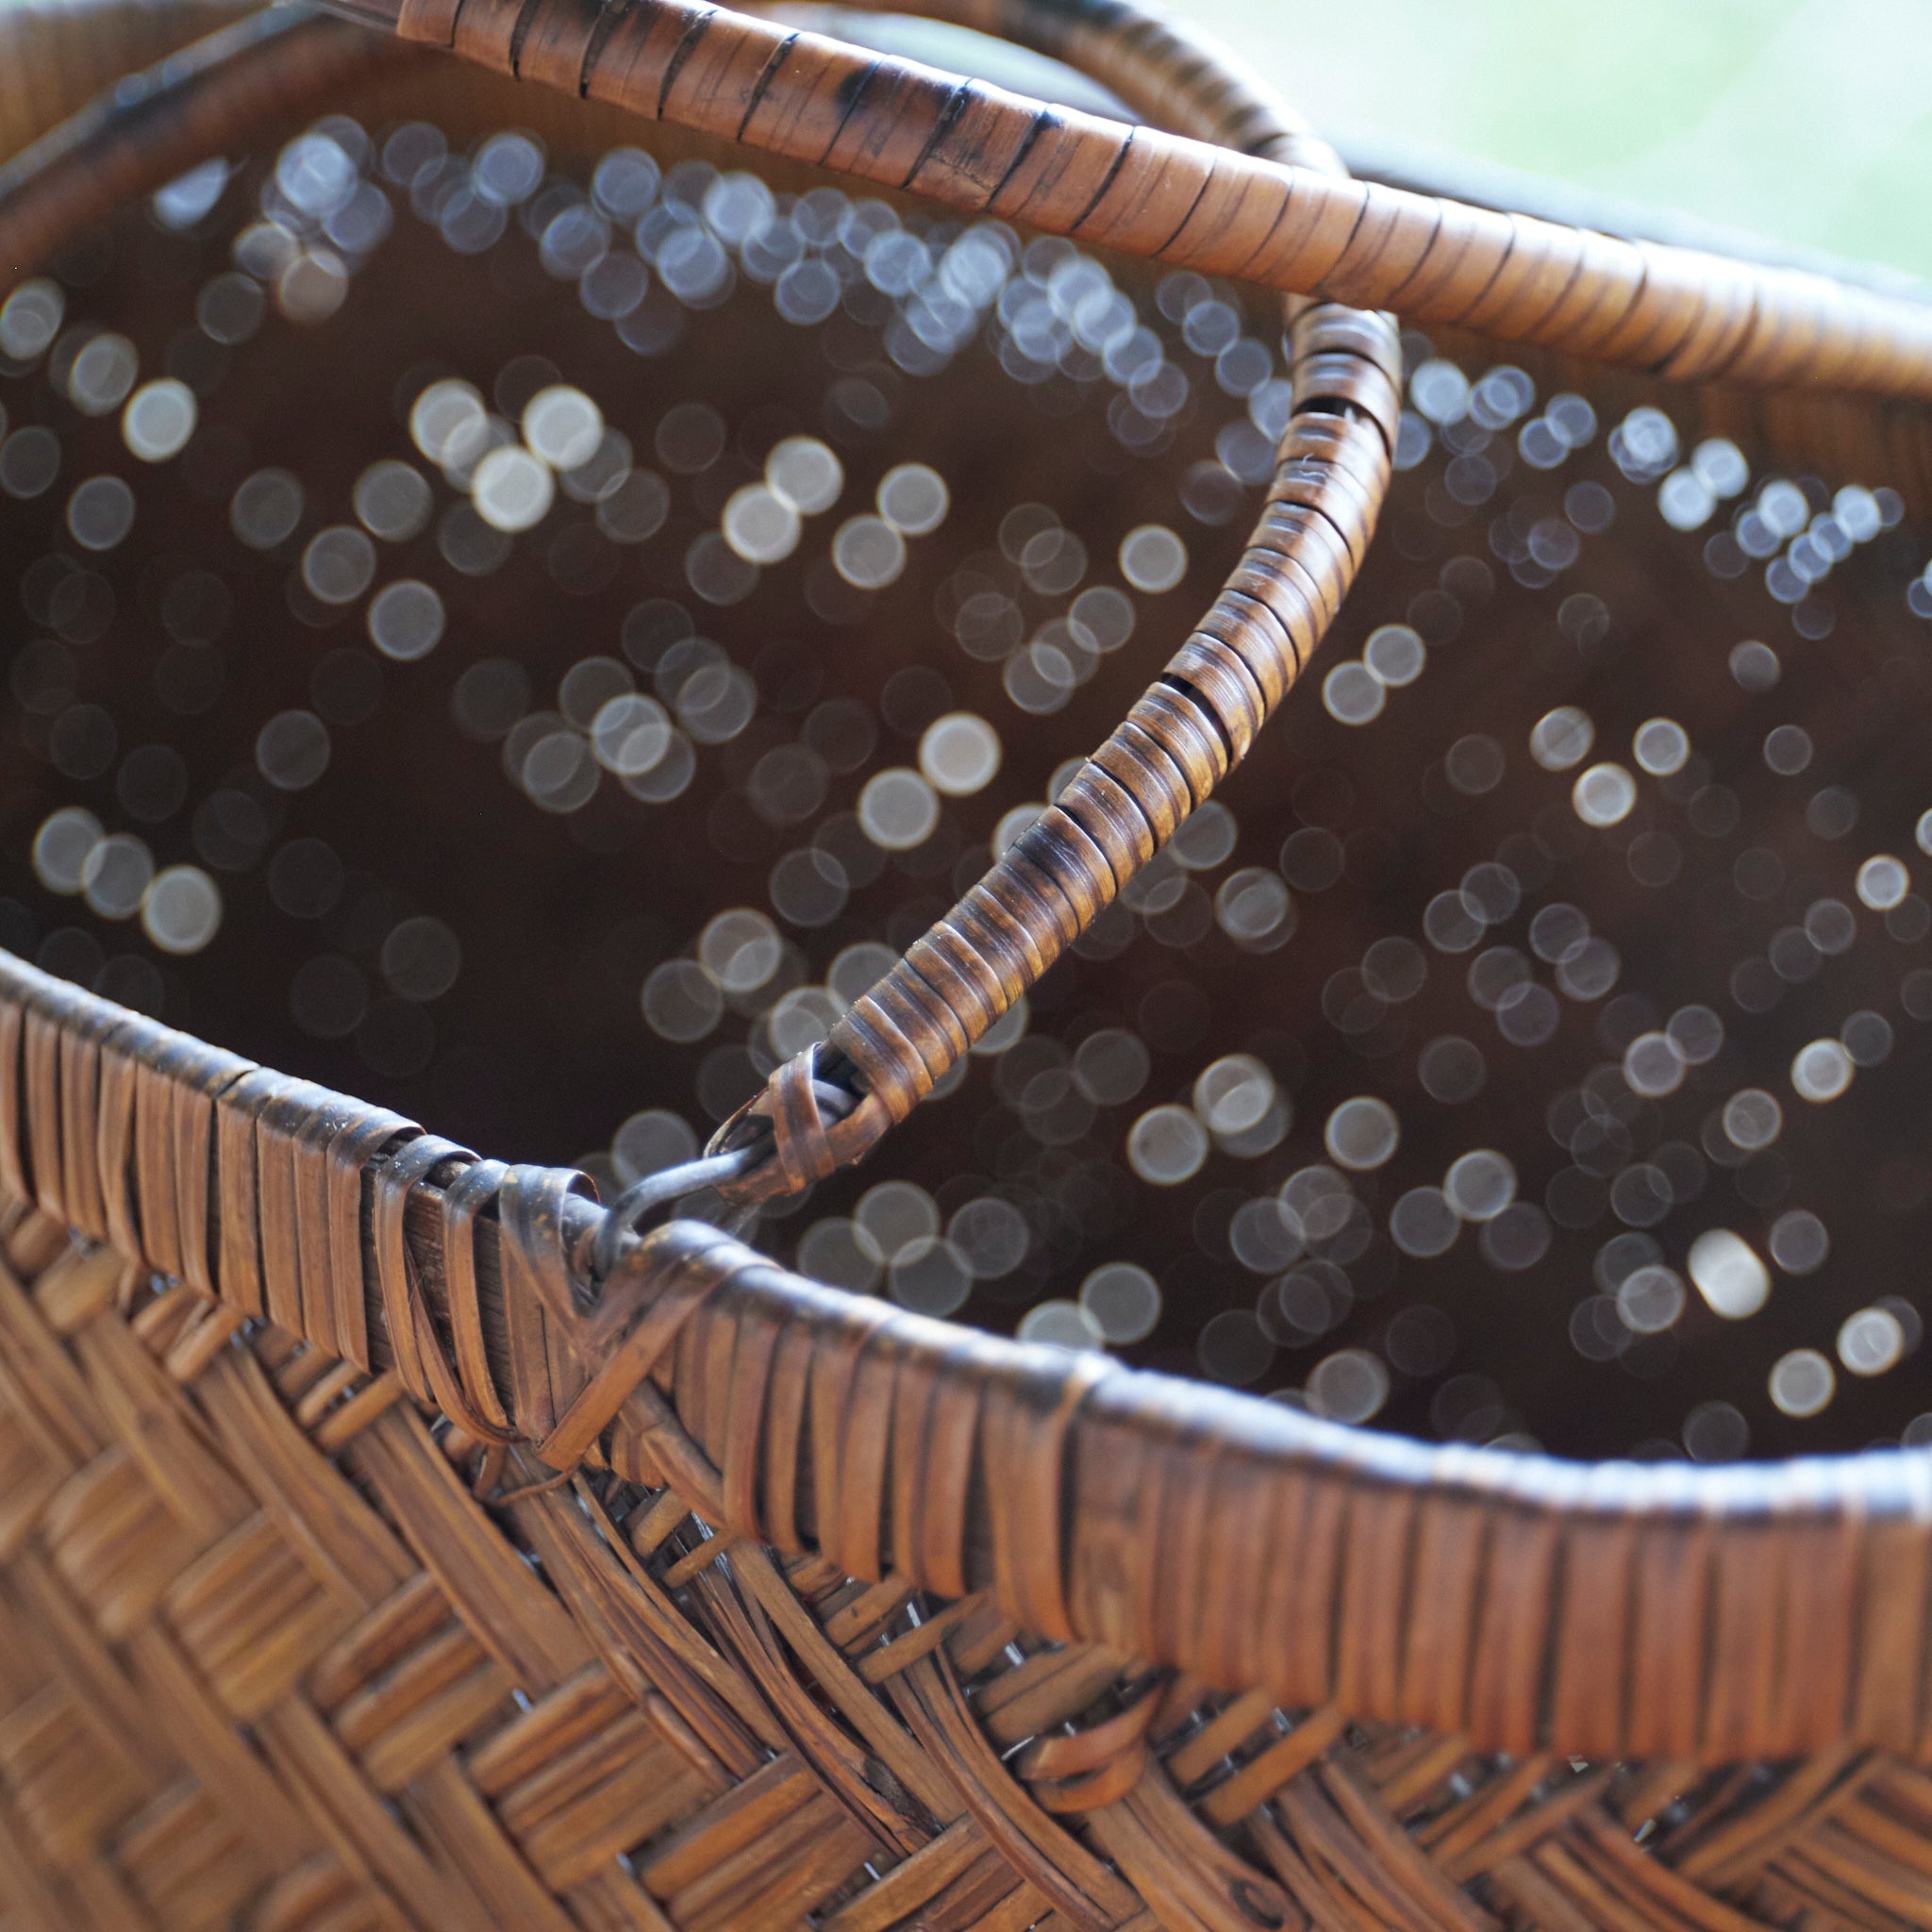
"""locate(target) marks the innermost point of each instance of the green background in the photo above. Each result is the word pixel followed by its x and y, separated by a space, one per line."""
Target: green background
pixel 1806 121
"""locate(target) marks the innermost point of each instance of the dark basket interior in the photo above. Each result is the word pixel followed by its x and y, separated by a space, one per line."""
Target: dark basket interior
pixel 1535 577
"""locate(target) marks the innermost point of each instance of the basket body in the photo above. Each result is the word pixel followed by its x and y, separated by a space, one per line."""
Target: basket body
pixel 731 1602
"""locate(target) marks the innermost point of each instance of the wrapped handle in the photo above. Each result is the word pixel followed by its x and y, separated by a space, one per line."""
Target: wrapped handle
pixel 1186 733
pixel 1275 221
pixel 827 1106
pixel 1241 190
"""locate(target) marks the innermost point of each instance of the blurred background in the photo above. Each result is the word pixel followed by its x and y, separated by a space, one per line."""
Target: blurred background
pixel 1806 121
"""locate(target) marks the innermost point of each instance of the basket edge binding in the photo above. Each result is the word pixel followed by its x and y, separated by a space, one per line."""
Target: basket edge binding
pixel 1669 1598
pixel 1608 1610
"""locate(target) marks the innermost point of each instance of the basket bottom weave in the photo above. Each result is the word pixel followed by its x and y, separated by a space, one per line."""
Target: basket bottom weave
pixel 270 1662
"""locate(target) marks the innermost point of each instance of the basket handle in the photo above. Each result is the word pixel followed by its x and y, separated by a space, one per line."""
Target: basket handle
pixel 830 1104
pixel 1242 192
pixel 1247 215
pixel 1184 734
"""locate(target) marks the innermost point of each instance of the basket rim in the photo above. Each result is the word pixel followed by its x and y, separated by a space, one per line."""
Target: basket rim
pixel 1192 1526
pixel 1221 1443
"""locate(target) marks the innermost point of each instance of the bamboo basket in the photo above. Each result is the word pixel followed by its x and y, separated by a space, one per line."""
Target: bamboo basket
pixel 394 1538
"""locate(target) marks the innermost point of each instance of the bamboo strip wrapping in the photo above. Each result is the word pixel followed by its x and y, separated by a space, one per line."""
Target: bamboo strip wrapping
pixel 1321 1564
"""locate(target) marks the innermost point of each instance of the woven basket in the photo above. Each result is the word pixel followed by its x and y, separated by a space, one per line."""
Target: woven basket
pixel 393 1538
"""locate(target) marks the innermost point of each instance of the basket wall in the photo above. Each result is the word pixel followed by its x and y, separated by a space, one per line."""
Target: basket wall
pixel 270 1662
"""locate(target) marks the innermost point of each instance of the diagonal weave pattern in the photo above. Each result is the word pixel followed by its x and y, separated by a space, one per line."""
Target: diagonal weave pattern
pixel 272 1662
pixel 363 1567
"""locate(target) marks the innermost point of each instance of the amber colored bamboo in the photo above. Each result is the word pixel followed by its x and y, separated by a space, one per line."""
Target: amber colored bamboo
pixel 1194 724
pixel 906 1625
pixel 58 58
pixel 1509 1600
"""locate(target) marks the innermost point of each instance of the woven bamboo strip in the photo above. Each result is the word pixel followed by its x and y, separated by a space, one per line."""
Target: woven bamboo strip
pixel 335 1692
